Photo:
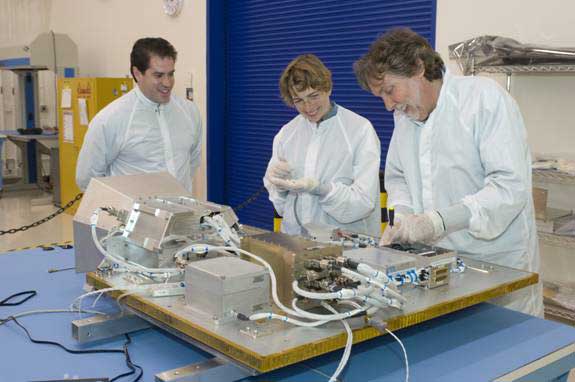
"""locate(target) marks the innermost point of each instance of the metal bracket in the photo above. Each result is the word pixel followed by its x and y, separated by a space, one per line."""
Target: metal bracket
pixel 101 327
pixel 215 369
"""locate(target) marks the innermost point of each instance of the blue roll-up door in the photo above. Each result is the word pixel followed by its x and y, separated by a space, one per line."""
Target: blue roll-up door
pixel 250 42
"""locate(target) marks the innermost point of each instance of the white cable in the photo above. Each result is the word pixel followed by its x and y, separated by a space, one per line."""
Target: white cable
pixel 223 230
pixel 378 284
pixel 375 301
pixel 349 302
pixel 81 297
pixel 367 270
pixel 123 295
pixel 327 317
pixel 128 290
pixel 371 311
pixel 404 353
pixel 113 231
pixel 477 269
pixel 43 311
pixel 97 298
pixel 348 345
pixel 273 316
pixel 344 293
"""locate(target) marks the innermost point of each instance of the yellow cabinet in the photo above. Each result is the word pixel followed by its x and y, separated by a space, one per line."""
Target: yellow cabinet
pixel 79 99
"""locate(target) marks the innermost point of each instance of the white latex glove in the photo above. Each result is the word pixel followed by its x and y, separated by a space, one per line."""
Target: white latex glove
pixel 280 169
pixel 309 185
pixel 424 228
pixel 390 231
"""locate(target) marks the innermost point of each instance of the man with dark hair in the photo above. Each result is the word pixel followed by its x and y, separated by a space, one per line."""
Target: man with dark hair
pixel 325 162
pixel 148 129
pixel 458 168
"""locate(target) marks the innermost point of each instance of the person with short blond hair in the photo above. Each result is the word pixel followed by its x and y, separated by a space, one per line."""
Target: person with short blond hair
pixel 306 71
pixel 325 163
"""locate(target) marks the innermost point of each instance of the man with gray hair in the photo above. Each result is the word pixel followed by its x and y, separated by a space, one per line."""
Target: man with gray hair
pixel 458 168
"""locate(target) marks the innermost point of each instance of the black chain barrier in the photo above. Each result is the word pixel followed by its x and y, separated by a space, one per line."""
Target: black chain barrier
pixel 44 220
pixel 239 207
pixel 249 200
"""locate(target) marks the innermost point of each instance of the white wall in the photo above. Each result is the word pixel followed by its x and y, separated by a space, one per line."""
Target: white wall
pixel 22 20
pixel 546 101
pixel 105 31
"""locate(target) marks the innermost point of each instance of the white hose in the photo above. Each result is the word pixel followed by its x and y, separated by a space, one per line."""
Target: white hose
pixel 327 317
pixel 404 354
pixel 367 270
pixel 273 316
pixel 369 280
pixel 343 294
pixel 348 344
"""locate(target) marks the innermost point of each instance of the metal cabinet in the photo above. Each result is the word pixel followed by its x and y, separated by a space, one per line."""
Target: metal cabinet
pixel 76 95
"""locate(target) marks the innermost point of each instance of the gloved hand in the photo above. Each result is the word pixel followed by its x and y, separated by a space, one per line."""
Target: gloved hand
pixel 424 228
pixel 309 185
pixel 280 169
pixel 390 231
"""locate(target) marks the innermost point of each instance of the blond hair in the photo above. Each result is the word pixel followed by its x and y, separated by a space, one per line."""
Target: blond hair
pixel 304 72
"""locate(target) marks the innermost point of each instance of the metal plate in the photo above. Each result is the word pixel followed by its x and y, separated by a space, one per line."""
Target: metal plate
pixel 278 344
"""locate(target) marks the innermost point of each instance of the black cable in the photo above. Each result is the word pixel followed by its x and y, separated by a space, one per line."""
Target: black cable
pixel 29 293
pixel 133 367
pixel 249 200
pixel 129 363
pixel 295 213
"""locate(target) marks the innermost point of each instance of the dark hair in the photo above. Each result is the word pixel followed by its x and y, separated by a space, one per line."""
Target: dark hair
pixel 147 47
pixel 401 52
pixel 304 72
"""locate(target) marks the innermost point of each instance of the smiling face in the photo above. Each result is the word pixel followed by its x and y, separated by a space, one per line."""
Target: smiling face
pixel 312 104
pixel 407 95
pixel 158 80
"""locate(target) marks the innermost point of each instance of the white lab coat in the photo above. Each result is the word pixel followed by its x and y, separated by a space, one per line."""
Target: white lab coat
pixel 133 135
pixel 472 150
pixel 343 151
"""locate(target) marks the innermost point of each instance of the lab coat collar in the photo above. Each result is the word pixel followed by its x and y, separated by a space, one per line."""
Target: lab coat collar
pixel 148 103
pixel 440 99
pixel 329 115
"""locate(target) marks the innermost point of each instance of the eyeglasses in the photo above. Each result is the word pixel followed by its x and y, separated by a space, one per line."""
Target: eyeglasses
pixel 306 100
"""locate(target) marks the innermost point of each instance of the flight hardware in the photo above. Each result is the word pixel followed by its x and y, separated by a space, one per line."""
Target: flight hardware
pixel 189 266
pixel 179 246
pixel 418 264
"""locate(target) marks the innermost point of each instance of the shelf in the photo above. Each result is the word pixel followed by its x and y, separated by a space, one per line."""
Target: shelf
pixel 525 69
pixel 556 240
pixel 552 176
